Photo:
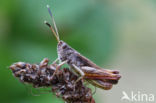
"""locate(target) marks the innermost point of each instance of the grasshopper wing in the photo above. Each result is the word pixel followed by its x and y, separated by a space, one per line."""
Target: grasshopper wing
pixel 101 84
pixel 100 74
pixel 100 77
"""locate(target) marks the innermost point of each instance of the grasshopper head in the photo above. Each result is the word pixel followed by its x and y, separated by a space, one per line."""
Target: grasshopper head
pixel 64 51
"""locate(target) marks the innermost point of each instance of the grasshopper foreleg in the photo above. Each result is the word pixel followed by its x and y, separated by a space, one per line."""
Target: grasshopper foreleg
pixel 55 61
pixel 58 66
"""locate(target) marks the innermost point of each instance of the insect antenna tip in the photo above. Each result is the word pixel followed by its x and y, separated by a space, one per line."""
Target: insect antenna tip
pixel 48 6
pixel 47 23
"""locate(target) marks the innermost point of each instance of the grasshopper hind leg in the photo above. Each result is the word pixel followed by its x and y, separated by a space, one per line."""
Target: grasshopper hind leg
pixel 80 72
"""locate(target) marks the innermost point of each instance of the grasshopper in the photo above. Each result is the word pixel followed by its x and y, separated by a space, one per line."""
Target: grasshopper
pixel 84 67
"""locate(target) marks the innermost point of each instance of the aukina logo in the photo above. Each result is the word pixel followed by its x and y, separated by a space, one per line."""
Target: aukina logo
pixel 137 97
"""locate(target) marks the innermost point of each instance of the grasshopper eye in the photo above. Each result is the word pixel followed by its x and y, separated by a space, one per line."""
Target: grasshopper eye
pixel 64 47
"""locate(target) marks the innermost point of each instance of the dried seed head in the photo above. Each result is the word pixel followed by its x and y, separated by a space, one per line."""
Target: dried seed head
pixel 63 83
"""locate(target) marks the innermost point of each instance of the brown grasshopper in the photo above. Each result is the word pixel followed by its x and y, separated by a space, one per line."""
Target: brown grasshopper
pixel 84 67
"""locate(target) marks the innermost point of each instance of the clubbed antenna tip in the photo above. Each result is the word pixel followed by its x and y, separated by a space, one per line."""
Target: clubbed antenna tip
pixel 48 6
pixel 47 23
pixel 49 11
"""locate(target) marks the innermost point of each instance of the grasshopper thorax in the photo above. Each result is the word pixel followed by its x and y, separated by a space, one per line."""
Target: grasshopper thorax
pixel 65 52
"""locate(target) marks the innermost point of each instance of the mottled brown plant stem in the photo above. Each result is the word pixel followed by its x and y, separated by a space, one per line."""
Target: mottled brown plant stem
pixel 63 83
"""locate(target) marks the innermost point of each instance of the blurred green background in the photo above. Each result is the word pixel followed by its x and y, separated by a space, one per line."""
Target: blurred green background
pixel 115 34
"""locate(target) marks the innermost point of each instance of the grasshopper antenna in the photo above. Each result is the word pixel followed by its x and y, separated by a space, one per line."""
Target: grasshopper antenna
pixel 53 20
pixel 48 24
